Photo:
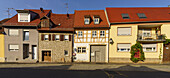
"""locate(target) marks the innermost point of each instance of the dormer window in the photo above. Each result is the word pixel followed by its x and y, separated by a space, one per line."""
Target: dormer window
pixel 87 19
pixel 96 19
pixel 24 15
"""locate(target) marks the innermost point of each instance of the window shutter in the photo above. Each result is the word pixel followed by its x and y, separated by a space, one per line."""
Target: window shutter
pixel 42 37
pixel 53 37
pixel 70 37
pixel 124 31
pixel 49 37
pixel 61 37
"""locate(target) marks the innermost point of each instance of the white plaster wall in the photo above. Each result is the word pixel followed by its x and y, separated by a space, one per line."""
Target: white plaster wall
pixel 85 57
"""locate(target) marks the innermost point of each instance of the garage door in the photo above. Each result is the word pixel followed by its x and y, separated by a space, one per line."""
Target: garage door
pixel 97 53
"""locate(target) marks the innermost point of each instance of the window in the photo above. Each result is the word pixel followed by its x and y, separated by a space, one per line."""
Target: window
pixel 81 50
pixel 96 20
pixel 125 16
pixel 45 37
pixel 80 34
pixel 23 17
pixel 65 52
pixel 149 47
pixel 102 33
pixel 94 33
pixel 86 20
pixel 124 31
pixel 13 47
pixel 13 32
pixel 146 32
pixel 26 35
pixel 123 47
pixel 141 15
pixel 57 37
pixel 66 37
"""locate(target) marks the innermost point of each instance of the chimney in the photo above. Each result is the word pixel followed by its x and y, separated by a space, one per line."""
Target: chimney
pixel 41 9
pixel 67 15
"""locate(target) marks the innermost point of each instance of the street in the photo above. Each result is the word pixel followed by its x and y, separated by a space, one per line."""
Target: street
pixel 56 72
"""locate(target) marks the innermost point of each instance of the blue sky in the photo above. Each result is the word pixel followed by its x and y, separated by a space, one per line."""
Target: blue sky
pixel 58 6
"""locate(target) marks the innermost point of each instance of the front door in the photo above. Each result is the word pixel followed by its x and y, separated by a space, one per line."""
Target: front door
pixel 98 53
pixel 34 52
pixel 25 51
pixel 166 53
pixel 46 56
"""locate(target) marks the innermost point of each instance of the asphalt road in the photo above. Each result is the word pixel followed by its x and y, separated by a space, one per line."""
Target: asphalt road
pixel 62 73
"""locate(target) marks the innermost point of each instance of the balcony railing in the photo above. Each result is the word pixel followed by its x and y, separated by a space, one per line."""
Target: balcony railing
pixel 151 37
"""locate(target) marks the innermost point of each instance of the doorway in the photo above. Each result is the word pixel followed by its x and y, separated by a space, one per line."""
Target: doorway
pixel 46 56
pixel 25 51
pixel 34 52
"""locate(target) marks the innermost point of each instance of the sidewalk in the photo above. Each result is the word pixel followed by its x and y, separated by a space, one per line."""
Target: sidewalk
pixel 109 67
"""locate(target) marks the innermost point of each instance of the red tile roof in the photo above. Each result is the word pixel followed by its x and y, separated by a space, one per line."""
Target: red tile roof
pixel 152 14
pixel 14 20
pixel 79 19
pixel 1 22
pixel 66 24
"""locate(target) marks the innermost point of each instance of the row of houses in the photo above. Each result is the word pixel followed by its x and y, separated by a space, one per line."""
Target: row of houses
pixel 34 35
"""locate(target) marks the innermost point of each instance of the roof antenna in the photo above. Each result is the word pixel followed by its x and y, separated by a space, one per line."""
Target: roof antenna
pixel 67 9
pixel 8 11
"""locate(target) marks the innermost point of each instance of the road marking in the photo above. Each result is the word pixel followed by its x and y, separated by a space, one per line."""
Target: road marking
pixel 121 74
pixel 109 75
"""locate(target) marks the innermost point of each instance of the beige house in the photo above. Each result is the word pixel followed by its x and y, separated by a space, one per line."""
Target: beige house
pixel 131 25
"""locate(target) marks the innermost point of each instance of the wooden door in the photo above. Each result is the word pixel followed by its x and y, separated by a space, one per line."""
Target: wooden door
pixel 166 53
pixel 46 56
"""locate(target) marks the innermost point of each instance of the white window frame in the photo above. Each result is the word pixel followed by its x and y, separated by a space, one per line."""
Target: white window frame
pixel 13 49
pixel 20 15
pixel 66 37
pixel 102 33
pixel 46 37
pixel 123 49
pixel 96 20
pixel 125 34
pixel 57 37
pixel 94 33
pixel 12 34
pixel 86 20
pixel 154 48
pixel 80 34
pixel 80 49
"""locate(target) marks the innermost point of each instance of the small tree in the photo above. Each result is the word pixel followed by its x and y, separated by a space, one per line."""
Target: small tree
pixel 137 53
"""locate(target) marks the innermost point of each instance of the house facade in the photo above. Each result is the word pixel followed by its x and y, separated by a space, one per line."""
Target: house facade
pixel 56 39
pixel 21 35
pixel 1 45
pixel 2 58
pixel 131 25
pixel 91 36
